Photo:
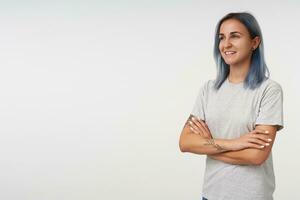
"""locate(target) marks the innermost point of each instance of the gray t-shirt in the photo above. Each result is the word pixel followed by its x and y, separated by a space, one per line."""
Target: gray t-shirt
pixel 229 113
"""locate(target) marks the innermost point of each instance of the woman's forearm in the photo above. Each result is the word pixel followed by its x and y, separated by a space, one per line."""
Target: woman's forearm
pixel 250 156
pixel 229 160
pixel 247 156
pixel 241 157
pixel 219 149
pixel 197 144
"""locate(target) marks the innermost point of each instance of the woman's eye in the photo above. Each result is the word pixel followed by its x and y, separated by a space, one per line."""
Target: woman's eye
pixel 232 36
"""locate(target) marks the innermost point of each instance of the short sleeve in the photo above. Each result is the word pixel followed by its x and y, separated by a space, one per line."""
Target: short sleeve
pixel 199 105
pixel 271 107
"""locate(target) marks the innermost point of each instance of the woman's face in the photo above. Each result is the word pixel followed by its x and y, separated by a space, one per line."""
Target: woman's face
pixel 235 45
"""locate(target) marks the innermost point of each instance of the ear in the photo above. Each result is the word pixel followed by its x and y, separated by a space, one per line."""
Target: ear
pixel 255 42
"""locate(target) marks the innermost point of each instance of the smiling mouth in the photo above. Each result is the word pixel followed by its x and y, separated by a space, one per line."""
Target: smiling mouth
pixel 229 52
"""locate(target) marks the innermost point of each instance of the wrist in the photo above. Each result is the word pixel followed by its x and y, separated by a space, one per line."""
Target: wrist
pixel 221 144
pixel 226 144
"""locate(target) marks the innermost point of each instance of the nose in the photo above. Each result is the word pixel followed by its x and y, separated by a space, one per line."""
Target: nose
pixel 226 43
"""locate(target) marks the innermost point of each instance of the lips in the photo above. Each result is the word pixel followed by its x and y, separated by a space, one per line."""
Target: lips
pixel 229 52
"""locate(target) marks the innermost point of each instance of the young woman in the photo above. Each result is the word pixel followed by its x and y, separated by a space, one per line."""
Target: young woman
pixel 236 116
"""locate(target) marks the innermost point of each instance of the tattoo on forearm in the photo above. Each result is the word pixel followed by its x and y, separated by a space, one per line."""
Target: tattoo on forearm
pixel 212 142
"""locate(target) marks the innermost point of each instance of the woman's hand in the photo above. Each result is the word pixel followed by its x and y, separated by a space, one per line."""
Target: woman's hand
pixel 257 139
pixel 198 126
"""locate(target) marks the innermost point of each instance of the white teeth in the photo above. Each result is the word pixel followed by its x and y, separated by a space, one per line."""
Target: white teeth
pixel 229 52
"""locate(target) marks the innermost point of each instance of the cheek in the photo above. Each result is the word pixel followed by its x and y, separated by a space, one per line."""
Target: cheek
pixel 220 47
pixel 245 46
pixel 245 49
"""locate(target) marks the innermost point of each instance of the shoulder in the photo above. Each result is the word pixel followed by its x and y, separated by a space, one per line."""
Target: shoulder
pixel 206 86
pixel 271 85
pixel 270 89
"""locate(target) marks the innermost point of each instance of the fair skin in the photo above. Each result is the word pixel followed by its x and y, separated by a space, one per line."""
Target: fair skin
pixel 252 148
pixel 234 37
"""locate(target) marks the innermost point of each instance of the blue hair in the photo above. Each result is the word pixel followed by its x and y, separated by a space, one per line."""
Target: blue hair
pixel 258 67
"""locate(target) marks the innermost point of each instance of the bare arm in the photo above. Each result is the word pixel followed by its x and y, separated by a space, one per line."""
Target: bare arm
pixel 203 143
pixel 236 151
pixel 200 143
pixel 249 156
pixel 197 144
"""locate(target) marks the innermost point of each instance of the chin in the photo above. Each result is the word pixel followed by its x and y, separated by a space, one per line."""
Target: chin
pixel 230 62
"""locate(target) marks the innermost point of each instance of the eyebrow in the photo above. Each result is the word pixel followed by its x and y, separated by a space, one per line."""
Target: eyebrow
pixel 232 33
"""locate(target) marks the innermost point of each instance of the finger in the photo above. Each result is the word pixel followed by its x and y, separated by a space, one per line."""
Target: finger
pixel 259 131
pixel 256 146
pixel 198 124
pixel 196 132
pixel 197 129
pixel 264 138
pixel 207 131
pixel 259 142
pixel 194 126
pixel 204 125
pixel 193 130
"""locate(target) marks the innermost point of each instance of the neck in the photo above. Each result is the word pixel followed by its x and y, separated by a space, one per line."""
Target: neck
pixel 239 72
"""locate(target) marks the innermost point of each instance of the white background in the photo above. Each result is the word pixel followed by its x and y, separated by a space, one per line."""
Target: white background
pixel 94 95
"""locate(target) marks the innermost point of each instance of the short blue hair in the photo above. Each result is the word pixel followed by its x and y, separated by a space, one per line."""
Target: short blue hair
pixel 258 67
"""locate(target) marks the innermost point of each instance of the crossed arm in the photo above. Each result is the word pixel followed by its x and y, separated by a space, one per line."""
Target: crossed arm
pixel 252 148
